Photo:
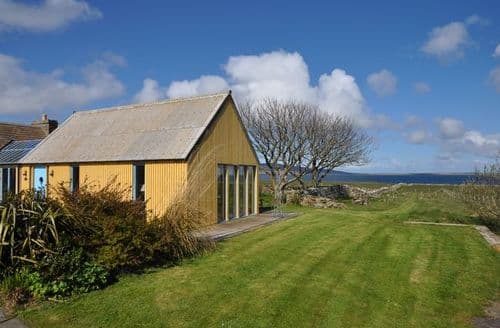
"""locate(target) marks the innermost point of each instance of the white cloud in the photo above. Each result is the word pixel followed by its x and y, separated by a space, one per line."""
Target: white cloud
pixel 476 19
pixel 454 138
pixel 150 91
pixel 25 91
pixel 338 93
pixel 477 143
pixel 383 83
pixel 496 53
pixel 447 42
pixel 422 88
pixel 284 75
pixel 47 16
pixel 418 137
pixel 451 128
pixel 413 120
pixel 446 157
pixel 204 85
pixel 274 74
pixel 495 78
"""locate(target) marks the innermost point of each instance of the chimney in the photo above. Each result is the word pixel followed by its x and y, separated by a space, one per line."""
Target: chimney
pixel 45 124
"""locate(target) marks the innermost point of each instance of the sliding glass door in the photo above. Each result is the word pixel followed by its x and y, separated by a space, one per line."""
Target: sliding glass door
pixel 235 191
pixel 251 190
pixel 221 191
pixel 231 192
pixel 242 191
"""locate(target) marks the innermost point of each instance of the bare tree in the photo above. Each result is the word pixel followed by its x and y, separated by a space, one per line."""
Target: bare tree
pixel 334 141
pixel 296 139
pixel 277 129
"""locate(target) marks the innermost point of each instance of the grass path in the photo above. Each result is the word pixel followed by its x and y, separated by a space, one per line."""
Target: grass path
pixel 348 268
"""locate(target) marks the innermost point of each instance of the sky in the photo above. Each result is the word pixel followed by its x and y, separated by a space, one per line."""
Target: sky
pixel 422 77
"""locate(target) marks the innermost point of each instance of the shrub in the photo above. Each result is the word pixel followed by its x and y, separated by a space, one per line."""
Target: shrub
pixel 107 225
pixel 65 273
pixel 14 290
pixel 115 231
pixel 482 195
pixel 78 241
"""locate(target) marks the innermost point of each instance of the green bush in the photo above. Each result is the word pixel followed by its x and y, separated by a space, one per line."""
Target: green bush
pixel 78 241
pixel 109 226
pixel 14 290
pixel 114 230
pixel 482 195
pixel 67 274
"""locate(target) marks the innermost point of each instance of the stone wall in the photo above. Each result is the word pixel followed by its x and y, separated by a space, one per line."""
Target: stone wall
pixel 329 196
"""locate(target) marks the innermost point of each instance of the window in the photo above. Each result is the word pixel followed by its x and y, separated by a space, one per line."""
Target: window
pixel 75 178
pixel 251 190
pixel 242 191
pixel 221 190
pixel 12 180
pixel 138 182
pixel 7 182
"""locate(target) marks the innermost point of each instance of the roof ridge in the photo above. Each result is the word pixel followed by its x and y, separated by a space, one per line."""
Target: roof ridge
pixel 20 124
pixel 161 102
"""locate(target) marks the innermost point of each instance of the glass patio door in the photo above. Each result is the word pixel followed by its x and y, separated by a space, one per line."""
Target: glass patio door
pixel 221 194
pixel 231 192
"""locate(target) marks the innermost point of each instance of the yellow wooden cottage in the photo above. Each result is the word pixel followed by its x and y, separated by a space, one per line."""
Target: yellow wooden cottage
pixel 156 149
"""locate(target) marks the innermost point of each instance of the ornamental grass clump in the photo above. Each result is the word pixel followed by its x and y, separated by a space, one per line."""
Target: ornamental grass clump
pixel 178 229
pixel 28 229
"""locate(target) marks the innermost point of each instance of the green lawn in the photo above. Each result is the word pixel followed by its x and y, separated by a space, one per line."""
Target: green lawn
pixel 358 267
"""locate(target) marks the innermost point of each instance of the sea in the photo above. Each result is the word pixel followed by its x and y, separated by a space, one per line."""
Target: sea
pixel 414 178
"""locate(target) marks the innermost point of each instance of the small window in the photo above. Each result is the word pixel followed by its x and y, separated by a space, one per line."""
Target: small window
pixel 4 183
pixel 138 182
pixel 12 180
pixel 8 181
pixel 75 178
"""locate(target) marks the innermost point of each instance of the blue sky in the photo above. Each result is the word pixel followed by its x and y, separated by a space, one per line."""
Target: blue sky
pixel 421 77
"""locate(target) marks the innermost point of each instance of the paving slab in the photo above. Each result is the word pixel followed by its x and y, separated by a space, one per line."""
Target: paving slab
pixel 10 323
pixel 238 226
pixel 13 323
pixel 486 322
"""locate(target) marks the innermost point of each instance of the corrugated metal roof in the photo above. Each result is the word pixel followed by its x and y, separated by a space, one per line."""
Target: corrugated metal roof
pixel 155 131
pixel 15 150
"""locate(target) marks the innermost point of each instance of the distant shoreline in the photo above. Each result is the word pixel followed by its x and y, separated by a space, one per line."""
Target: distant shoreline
pixel 408 178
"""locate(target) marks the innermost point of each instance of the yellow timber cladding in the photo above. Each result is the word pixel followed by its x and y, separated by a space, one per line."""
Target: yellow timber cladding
pixel 224 142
